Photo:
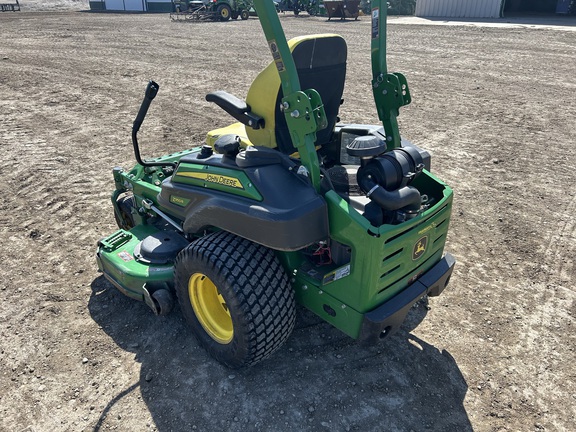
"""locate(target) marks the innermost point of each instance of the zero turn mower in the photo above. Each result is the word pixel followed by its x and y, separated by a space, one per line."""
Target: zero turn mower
pixel 287 205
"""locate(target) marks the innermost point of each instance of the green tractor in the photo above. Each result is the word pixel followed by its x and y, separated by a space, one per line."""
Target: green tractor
pixel 213 9
pixel 285 206
pixel 297 6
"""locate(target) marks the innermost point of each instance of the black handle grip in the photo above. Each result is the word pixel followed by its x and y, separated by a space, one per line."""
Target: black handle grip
pixel 152 89
pixel 151 92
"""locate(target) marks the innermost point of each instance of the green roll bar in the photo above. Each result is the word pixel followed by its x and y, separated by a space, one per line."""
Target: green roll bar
pixel 390 89
pixel 304 110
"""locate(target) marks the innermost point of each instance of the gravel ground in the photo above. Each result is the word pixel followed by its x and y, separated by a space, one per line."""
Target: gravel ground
pixel 495 352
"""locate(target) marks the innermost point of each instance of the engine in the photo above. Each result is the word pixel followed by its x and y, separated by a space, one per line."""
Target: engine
pixel 385 178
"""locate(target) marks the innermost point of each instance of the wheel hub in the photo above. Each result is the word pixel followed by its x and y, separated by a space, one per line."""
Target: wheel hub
pixel 210 308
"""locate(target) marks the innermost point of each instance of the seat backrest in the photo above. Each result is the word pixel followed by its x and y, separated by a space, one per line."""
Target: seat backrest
pixel 321 64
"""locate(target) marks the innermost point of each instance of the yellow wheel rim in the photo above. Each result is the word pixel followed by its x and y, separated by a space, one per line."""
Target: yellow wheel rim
pixel 210 308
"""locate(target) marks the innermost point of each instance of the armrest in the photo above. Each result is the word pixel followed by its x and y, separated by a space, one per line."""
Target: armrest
pixel 237 108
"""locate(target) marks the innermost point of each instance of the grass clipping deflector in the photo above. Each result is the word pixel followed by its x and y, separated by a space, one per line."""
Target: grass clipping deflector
pixel 285 206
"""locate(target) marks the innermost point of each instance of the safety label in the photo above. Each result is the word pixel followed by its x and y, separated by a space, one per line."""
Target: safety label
pixel 276 55
pixel 125 256
pixel 375 22
pixel 336 274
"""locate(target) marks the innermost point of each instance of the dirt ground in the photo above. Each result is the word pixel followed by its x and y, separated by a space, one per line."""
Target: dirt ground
pixel 495 352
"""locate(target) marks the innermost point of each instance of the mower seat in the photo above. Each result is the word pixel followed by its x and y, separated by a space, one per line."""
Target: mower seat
pixel 321 65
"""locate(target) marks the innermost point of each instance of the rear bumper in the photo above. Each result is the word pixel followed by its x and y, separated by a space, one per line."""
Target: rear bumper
pixel 387 318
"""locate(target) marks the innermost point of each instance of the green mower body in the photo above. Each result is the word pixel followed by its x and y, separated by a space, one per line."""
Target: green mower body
pixel 353 227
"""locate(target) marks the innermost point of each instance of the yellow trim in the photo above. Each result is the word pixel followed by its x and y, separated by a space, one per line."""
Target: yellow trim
pixel 210 308
pixel 237 129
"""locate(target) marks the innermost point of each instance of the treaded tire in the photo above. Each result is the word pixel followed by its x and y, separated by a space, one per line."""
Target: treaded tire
pixel 224 12
pixel 125 203
pixel 256 291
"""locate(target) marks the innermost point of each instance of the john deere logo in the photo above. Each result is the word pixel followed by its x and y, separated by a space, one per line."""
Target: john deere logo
pixel 419 248
pixel 214 178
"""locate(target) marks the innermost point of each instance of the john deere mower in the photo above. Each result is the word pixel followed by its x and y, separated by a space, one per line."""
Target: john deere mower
pixel 287 205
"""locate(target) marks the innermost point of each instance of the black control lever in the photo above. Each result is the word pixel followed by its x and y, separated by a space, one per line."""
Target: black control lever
pixel 151 92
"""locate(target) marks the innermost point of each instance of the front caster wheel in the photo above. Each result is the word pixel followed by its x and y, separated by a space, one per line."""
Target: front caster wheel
pixel 160 301
pixel 236 297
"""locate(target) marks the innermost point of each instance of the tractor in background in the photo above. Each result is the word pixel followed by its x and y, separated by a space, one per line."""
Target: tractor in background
pixel 222 10
pixel 297 6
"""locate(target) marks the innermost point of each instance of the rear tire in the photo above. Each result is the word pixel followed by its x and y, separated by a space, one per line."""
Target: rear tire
pixel 236 297
pixel 224 12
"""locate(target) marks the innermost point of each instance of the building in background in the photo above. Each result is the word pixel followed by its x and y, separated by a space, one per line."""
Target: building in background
pixel 424 8
pixel 459 8
pixel 132 5
pixel 490 8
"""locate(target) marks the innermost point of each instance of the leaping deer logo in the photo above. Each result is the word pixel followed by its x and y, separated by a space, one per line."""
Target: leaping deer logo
pixel 419 248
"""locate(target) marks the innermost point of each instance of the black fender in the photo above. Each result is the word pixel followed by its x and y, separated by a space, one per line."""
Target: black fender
pixel 291 215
